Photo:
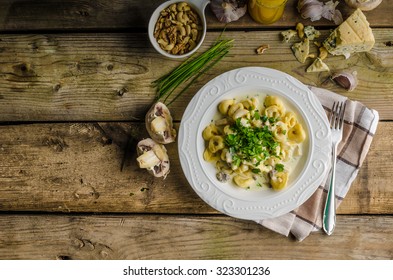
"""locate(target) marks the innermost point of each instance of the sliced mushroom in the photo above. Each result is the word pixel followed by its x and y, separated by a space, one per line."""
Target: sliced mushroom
pixel 223 176
pixel 153 157
pixel 159 124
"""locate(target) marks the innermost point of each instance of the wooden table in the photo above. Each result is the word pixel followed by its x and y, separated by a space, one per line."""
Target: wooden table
pixel 75 83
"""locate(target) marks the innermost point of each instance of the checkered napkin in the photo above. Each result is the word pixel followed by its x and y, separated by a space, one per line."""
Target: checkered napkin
pixel 359 129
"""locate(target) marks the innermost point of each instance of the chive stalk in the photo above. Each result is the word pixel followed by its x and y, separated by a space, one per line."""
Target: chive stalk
pixel 190 70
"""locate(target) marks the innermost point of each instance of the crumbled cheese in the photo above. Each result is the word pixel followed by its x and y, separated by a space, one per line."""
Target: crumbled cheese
pixel 311 33
pixel 288 35
pixel 353 35
pixel 317 66
pixel 301 50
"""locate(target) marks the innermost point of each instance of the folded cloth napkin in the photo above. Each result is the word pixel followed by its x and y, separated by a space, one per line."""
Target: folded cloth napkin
pixel 359 129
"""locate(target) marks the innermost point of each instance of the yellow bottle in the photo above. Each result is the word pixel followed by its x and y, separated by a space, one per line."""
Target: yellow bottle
pixel 266 11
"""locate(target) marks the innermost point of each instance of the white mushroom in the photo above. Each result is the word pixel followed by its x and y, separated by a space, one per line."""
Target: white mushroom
pixel 159 124
pixel 364 5
pixel 153 157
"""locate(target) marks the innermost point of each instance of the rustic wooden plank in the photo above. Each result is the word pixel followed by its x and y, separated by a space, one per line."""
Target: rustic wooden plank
pixel 196 237
pixel 75 167
pixel 126 14
pixel 107 77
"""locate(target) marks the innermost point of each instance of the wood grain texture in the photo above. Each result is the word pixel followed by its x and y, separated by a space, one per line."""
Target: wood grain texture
pixel 75 84
pixel 75 167
pixel 125 14
pixel 196 237
pixel 107 77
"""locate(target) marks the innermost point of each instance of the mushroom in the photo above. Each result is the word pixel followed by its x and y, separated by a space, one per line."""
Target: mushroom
pixel 223 176
pixel 228 10
pixel 153 157
pixel 364 5
pixel 159 124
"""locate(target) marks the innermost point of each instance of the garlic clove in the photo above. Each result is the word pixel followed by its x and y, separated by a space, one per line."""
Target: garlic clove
pixel 331 13
pixel 228 10
pixel 364 5
pixel 346 79
pixel 315 10
pixel 302 3
pixel 312 11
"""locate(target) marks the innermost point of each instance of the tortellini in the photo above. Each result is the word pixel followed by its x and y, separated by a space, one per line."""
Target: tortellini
pixel 280 131
pixel 273 112
pixel 243 181
pixel 271 101
pixel 223 107
pixel 210 131
pixel 278 180
pixel 216 143
pixel 297 133
pixel 254 142
pixel 209 156
pixel 234 108
pixel 290 119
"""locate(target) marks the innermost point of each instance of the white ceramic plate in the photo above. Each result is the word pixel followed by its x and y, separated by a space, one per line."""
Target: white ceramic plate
pixel 263 203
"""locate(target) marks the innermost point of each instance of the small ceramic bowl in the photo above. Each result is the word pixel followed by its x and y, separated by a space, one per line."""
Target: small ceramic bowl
pixel 197 5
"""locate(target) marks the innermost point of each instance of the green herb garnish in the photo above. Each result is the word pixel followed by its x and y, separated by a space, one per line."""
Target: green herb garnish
pixel 248 143
pixel 279 167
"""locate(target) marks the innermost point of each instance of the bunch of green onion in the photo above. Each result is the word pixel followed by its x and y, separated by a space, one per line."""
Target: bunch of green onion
pixel 190 70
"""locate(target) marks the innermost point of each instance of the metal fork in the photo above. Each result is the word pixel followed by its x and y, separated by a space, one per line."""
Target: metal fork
pixel 336 124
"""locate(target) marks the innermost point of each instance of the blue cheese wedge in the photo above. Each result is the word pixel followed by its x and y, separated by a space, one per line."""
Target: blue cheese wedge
pixel 301 50
pixel 287 35
pixel 317 66
pixel 311 33
pixel 353 35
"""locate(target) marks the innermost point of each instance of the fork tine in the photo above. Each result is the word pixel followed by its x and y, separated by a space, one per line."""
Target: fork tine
pixel 342 112
pixel 337 115
pixel 331 119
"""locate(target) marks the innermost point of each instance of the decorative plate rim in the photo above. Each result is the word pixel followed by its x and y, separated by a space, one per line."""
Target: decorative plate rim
pixel 247 205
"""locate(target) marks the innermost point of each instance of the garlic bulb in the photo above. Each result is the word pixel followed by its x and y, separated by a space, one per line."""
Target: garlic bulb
pixel 346 79
pixel 228 10
pixel 315 10
pixel 364 5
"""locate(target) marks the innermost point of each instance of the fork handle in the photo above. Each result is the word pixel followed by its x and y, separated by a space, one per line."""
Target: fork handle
pixel 329 215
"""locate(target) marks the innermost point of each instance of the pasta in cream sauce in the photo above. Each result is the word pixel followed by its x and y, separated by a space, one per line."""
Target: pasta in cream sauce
pixel 255 142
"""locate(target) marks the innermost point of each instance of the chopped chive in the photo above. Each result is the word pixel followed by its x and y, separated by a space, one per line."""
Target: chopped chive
pixel 190 70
